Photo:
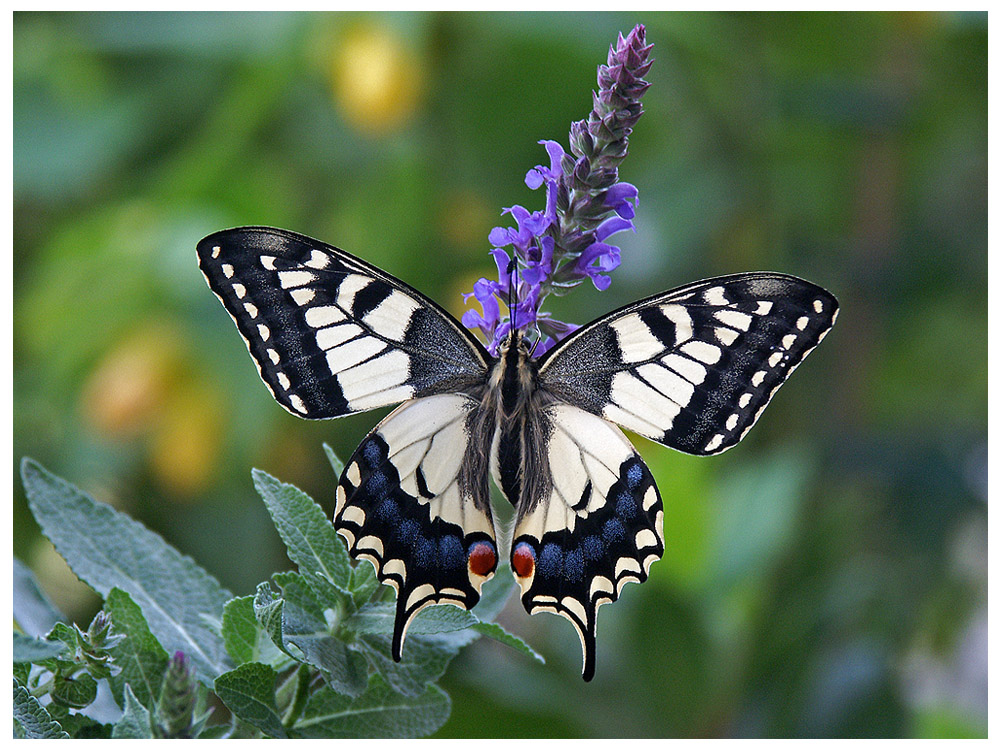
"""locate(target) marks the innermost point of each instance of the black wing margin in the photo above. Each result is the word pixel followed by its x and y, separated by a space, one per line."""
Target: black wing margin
pixel 693 368
pixel 331 334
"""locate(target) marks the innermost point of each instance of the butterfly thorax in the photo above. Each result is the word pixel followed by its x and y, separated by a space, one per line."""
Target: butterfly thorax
pixel 519 423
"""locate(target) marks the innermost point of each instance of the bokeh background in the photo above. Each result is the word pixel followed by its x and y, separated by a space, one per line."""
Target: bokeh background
pixel 825 578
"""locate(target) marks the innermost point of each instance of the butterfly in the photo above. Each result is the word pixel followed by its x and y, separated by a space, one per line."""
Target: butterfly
pixel 691 368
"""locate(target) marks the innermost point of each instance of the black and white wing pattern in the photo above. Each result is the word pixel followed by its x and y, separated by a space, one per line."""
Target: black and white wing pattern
pixel 411 501
pixel 692 368
pixel 331 334
pixel 597 525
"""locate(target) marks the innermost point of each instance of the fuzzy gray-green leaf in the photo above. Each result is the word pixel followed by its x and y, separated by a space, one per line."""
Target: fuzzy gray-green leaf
pixel 379 712
pixel 312 543
pixel 245 637
pixel 248 691
pixel 106 549
pixel 135 723
pixel 33 611
pixel 141 657
pixel 31 720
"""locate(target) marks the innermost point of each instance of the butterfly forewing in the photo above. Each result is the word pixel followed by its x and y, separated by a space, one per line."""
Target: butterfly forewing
pixel 330 334
pixel 597 525
pixel 407 502
pixel 693 368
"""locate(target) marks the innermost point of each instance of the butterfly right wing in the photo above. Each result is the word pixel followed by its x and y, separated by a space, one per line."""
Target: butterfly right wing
pixel 331 334
pixel 692 368
pixel 414 500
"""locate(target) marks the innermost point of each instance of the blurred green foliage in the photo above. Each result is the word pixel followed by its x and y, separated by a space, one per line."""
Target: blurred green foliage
pixel 825 578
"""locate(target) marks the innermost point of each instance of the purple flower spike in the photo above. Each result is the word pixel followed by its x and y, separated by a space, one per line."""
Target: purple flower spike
pixel 585 204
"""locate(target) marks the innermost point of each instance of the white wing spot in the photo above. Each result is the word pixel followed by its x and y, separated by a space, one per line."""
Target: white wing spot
pixel 726 336
pixel 714 443
pixel 395 567
pixel 227 270
pixel 251 309
pixel 801 323
pixel 686 368
pixel 241 291
pixel 731 422
pixel 788 340
pixel 700 350
pixel 758 378
pixel 318 260
pixel 764 307
pixel 349 287
pixel 734 319
pixel 745 400
pixel 715 296
pixel 264 331
pixel 273 354
pixel 677 315
pixel 291 279
pixel 818 306
pixel 215 251
pixel 298 404
pixel 328 338
pixel 283 380
pixel 302 296
pixel 327 315
pixel 392 316
pixel 774 359
pixel 353 514
pixel 645 538
pixel 267 261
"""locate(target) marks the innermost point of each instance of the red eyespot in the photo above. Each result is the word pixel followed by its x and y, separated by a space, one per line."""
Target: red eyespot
pixel 523 560
pixel 482 558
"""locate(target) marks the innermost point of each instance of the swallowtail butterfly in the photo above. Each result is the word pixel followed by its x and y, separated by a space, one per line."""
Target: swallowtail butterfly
pixel 691 368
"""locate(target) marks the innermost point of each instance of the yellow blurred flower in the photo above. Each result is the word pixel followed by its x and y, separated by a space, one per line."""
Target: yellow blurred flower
pixel 185 446
pixel 376 80
pixel 127 390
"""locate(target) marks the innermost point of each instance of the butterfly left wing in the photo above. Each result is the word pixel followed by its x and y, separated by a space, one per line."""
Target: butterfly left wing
pixel 414 500
pixel 330 334
pixel 692 368
pixel 589 524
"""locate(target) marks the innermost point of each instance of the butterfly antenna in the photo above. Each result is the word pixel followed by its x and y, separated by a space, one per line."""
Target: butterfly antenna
pixel 511 293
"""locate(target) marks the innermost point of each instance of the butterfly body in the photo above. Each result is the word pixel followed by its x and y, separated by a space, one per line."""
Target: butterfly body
pixel 691 368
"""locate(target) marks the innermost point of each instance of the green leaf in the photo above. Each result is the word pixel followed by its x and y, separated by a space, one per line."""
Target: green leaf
pixel 312 543
pixel 443 618
pixel 424 660
pixel 245 637
pixel 139 655
pixel 74 692
pixel 379 712
pixel 334 459
pixel 248 691
pixel 81 726
pixel 136 722
pixel 497 633
pixel 267 608
pixel 313 627
pixel 27 649
pixel 107 549
pixel 33 612
pixel 496 592
pixel 31 720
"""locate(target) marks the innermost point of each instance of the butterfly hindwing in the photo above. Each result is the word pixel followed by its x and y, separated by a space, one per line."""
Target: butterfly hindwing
pixel 411 501
pixel 331 334
pixel 694 367
pixel 595 526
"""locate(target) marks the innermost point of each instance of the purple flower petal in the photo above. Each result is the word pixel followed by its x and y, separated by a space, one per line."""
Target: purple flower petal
pixel 613 226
